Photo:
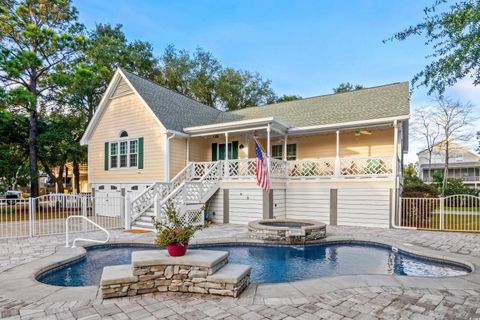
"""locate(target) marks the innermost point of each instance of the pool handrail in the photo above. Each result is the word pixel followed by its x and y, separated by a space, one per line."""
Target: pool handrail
pixel 83 239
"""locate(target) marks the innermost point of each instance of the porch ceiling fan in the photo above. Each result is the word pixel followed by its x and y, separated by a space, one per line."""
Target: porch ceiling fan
pixel 365 132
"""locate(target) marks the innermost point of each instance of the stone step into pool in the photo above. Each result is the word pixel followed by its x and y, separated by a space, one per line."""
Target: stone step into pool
pixel 199 271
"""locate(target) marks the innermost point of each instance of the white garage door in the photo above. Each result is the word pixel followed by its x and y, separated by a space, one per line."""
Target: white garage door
pixel 366 207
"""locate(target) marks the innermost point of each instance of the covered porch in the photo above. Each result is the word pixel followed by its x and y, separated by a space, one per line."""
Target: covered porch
pixel 332 153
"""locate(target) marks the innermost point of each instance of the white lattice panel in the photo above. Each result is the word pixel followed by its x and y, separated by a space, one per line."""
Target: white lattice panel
pixel 366 166
pixel 311 168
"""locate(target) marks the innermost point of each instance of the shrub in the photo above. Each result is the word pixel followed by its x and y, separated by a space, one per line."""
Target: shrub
pixel 172 231
pixel 420 190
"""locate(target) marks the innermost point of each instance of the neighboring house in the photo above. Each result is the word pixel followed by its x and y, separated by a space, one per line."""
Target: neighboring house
pixel 462 164
pixel 69 179
pixel 335 158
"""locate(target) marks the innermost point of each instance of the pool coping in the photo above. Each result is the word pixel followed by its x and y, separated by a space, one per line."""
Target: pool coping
pixel 20 282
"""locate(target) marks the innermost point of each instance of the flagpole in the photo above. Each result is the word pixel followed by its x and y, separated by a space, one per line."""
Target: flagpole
pixel 268 149
pixel 267 158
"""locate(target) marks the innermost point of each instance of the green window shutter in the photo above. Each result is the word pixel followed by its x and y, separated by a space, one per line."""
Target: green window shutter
pixel 214 152
pixel 106 155
pixel 235 150
pixel 140 153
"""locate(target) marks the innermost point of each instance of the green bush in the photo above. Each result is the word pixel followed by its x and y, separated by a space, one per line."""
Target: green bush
pixel 173 232
pixel 414 187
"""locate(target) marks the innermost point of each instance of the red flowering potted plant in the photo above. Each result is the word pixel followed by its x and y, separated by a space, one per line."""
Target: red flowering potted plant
pixel 172 234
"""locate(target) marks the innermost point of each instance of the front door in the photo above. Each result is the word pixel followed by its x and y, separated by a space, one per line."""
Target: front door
pixel 218 151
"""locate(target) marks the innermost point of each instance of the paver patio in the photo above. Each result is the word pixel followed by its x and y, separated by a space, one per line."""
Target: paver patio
pixel 357 297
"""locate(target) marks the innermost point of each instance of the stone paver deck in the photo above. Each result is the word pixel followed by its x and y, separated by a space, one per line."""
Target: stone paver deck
pixel 347 297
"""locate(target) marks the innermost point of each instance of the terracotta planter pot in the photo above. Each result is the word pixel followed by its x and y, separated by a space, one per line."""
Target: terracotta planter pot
pixel 177 250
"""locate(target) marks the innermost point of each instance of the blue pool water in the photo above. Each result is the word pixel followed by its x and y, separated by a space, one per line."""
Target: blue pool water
pixel 271 263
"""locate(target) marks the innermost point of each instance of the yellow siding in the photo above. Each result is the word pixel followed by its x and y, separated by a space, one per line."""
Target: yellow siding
pixel 127 113
pixel 178 155
pixel 378 144
pixel 122 89
pixel 200 149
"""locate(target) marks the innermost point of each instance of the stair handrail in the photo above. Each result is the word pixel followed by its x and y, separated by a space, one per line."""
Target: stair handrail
pixel 218 166
pixel 182 172
pixel 144 191
pixel 134 215
pixel 83 239
pixel 177 189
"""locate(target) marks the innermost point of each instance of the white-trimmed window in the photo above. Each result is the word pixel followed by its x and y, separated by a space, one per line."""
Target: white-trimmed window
pixel 277 151
pixel 124 154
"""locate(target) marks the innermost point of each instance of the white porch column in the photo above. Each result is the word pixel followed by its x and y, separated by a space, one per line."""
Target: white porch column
pixel 337 155
pixel 188 151
pixel 246 140
pixel 285 144
pixel 226 155
pixel 269 147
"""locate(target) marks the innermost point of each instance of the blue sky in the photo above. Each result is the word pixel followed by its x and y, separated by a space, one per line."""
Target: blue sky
pixel 304 47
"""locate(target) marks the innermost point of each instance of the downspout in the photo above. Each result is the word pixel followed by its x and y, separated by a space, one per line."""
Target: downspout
pixel 395 171
pixel 167 156
pixel 395 203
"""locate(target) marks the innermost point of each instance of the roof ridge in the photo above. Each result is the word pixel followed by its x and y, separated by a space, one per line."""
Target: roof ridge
pixel 324 95
pixel 162 86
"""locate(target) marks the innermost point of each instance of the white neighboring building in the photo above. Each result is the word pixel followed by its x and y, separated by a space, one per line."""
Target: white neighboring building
pixel 462 164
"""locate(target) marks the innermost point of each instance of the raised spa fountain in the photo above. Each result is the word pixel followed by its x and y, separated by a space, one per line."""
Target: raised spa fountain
pixel 287 230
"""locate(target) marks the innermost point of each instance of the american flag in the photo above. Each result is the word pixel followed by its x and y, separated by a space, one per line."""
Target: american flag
pixel 262 174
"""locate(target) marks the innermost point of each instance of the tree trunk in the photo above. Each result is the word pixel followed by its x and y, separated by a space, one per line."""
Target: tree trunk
pixel 429 166
pixel 76 175
pixel 59 178
pixel 32 151
pixel 445 171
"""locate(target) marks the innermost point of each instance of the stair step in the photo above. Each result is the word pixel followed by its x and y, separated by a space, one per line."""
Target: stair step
pixel 120 274
pixel 230 273
pixel 145 225
pixel 134 227
pixel 145 219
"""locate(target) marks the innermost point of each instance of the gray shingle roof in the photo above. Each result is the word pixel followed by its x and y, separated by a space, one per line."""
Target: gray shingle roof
pixel 176 111
pixel 370 103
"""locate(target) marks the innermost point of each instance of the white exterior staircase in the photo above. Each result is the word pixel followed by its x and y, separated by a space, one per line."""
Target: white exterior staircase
pixel 188 191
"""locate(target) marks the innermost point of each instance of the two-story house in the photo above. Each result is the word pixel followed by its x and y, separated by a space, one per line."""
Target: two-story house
pixel 335 158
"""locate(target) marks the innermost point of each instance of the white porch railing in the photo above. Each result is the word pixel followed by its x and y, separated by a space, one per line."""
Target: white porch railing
pixel 318 168
pixel 311 168
pixel 240 168
pixel 366 166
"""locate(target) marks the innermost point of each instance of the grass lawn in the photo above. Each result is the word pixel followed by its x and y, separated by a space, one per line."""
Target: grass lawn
pixel 454 222
pixel 471 209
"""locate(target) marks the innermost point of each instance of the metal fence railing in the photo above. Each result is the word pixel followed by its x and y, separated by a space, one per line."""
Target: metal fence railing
pixel 452 213
pixel 46 215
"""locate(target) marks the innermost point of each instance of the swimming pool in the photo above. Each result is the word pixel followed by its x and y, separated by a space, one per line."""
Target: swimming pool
pixel 271 263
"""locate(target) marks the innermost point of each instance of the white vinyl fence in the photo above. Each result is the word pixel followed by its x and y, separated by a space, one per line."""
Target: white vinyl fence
pixel 47 214
pixel 453 213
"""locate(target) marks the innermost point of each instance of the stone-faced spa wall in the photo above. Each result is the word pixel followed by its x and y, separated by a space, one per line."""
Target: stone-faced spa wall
pixel 199 271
